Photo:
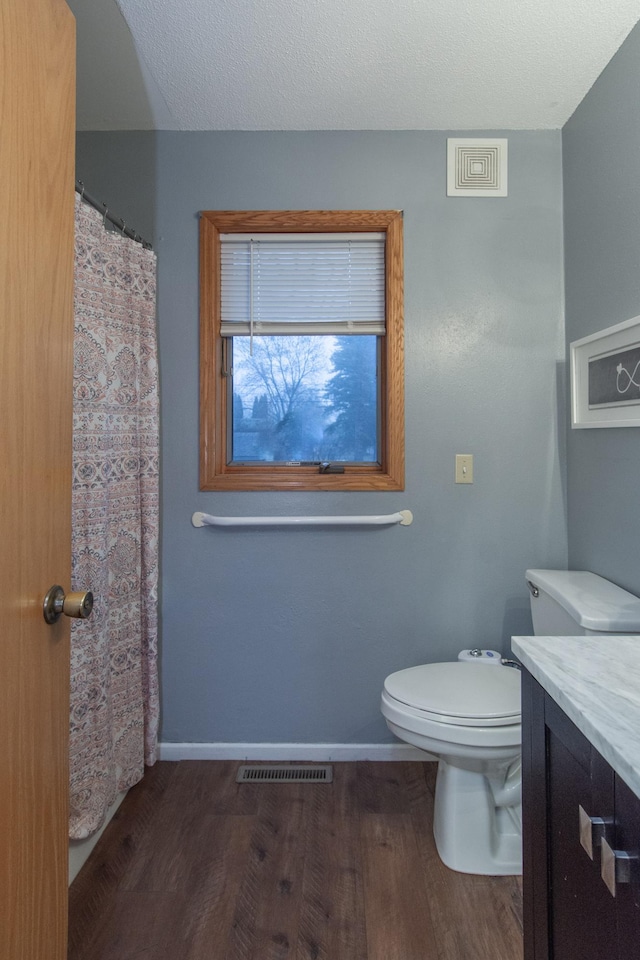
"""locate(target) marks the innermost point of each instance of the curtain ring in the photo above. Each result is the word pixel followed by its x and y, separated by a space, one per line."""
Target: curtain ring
pixel 104 219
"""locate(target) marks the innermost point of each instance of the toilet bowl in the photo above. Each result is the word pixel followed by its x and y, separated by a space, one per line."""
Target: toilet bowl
pixel 469 717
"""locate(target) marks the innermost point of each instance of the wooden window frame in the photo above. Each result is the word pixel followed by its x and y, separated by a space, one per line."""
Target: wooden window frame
pixel 215 472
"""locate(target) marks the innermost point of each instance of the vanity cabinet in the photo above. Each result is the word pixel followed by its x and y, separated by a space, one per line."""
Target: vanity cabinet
pixel 578 814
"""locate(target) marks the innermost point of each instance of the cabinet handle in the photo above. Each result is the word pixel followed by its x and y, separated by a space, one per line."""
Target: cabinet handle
pixel 593 830
pixel 618 866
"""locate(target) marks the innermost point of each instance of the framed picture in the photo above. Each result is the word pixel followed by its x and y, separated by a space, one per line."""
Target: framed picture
pixel 605 377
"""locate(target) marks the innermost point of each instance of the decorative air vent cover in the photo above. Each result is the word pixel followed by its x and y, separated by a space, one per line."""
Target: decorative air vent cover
pixel 476 168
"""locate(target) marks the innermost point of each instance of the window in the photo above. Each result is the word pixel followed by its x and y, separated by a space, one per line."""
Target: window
pixel 301 362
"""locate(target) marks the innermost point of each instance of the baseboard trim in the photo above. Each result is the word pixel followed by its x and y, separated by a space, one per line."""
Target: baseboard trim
pixel 319 752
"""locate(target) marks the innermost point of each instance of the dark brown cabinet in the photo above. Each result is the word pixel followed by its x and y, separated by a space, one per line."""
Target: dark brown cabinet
pixel 577 813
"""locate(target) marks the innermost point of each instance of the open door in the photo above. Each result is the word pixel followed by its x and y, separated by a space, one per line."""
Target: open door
pixel 37 125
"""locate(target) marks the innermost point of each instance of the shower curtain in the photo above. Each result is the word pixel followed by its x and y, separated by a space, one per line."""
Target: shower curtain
pixel 114 683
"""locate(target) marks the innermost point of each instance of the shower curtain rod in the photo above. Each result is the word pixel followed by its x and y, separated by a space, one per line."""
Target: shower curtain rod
pixel 116 221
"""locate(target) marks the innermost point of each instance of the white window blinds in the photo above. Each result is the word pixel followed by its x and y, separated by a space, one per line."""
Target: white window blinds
pixel 299 284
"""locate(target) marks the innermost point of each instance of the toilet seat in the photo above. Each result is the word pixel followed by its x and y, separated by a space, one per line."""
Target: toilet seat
pixel 411 720
pixel 458 693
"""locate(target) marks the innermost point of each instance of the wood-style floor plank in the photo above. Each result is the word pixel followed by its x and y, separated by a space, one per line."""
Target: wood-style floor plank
pixel 487 921
pixel 197 867
pixel 92 891
pixel 211 787
pixel 394 888
pixel 141 926
pixel 265 924
pixel 381 787
pixel 213 902
pixel 332 910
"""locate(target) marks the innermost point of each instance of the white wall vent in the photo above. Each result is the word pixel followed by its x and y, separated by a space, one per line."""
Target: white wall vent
pixel 476 168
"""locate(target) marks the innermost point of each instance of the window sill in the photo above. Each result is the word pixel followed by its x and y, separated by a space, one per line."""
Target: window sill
pixel 351 479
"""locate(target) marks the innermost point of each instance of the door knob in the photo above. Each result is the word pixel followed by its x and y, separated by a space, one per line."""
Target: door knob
pixel 78 604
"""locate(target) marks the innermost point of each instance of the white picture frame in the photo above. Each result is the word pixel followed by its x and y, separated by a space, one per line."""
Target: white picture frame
pixel 605 377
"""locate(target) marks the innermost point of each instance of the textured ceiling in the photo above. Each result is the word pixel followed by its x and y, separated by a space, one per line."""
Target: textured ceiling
pixel 332 64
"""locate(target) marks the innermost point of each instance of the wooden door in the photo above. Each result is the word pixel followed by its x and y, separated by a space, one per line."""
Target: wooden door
pixel 37 92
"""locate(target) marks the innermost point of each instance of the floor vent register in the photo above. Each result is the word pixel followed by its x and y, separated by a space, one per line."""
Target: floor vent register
pixel 262 773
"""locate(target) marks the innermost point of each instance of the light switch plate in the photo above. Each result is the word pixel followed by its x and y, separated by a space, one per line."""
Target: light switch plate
pixel 464 468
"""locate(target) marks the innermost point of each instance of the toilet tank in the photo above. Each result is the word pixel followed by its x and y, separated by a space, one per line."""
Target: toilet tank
pixel 575 603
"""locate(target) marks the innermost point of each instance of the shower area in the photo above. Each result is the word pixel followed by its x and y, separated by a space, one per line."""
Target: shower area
pixel 114 678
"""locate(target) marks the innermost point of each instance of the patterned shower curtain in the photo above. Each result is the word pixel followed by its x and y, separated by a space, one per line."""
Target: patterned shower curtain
pixel 114 682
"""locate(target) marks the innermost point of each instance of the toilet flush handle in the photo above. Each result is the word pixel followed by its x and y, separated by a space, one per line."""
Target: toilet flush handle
pixel 511 663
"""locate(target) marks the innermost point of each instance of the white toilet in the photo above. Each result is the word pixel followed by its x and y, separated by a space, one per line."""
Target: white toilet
pixel 467 714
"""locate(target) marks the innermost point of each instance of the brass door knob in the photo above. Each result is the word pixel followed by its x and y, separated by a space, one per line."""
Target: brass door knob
pixel 77 604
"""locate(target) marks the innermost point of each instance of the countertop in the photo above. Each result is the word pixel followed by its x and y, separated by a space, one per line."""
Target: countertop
pixel 596 681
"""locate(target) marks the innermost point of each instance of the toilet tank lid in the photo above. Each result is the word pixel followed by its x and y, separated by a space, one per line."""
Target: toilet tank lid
pixel 593 602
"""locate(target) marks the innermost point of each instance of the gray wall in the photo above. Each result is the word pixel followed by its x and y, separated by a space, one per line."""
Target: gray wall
pixel 601 156
pixel 277 635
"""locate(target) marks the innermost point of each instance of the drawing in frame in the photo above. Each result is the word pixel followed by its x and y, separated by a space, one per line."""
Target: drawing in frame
pixel 605 377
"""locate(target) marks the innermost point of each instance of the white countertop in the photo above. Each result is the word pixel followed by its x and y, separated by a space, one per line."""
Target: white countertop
pixel 596 681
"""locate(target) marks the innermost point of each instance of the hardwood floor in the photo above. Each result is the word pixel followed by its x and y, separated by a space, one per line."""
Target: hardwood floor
pixel 197 867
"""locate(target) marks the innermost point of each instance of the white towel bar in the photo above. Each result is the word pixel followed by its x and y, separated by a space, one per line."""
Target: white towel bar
pixel 403 517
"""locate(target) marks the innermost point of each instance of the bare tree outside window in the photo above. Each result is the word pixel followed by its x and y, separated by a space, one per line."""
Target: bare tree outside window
pixel 291 401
